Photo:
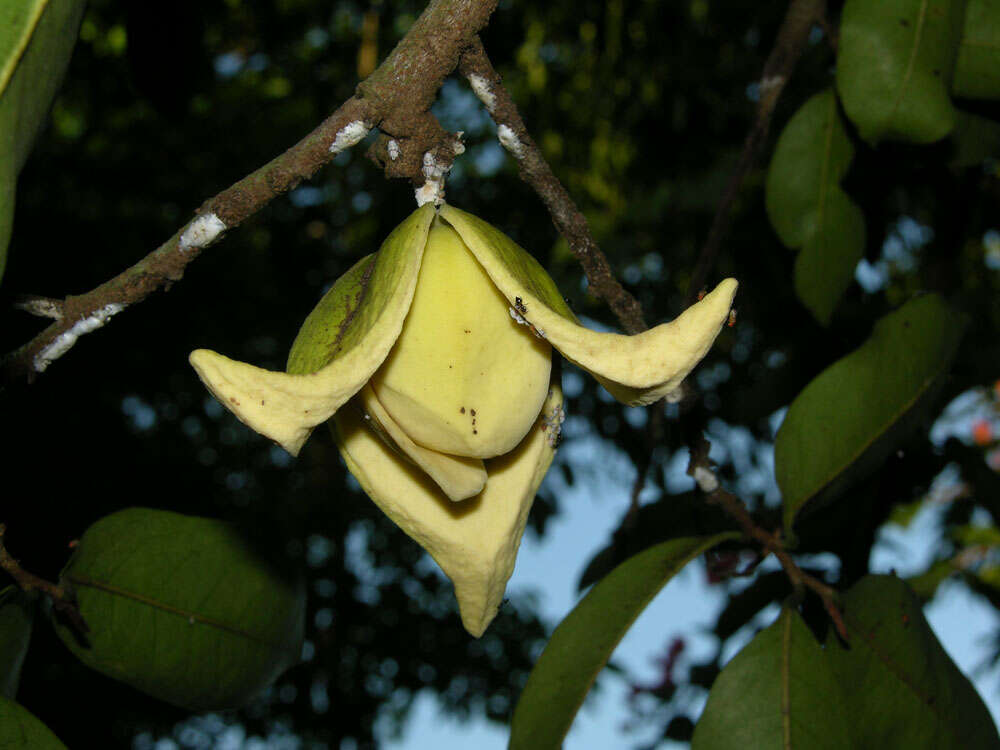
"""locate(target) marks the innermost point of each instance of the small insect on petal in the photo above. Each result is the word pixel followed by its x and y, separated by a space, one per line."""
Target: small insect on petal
pixel 732 318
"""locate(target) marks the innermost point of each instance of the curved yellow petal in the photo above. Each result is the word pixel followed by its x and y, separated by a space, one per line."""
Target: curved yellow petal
pixel 342 342
pixel 458 477
pixel 463 378
pixel 475 541
pixel 635 369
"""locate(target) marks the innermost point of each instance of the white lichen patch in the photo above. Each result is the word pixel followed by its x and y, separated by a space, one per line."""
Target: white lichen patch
pixel 767 84
pixel 203 231
pixel 349 135
pixel 510 141
pixel 432 191
pixel 64 342
pixel 552 425
pixel 393 148
pixel 482 89
pixel 706 479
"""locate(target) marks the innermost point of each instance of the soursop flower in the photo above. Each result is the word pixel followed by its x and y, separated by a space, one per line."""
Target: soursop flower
pixel 432 360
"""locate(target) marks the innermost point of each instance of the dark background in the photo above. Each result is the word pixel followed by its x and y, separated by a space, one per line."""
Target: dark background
pixel 641 108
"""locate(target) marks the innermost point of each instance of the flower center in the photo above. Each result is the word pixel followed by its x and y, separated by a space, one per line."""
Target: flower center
pixel 463 377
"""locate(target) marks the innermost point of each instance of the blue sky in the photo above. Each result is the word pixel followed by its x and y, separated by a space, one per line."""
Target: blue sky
pixel 687 606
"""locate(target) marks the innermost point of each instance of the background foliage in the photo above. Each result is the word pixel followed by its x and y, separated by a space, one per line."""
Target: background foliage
pixel 641 107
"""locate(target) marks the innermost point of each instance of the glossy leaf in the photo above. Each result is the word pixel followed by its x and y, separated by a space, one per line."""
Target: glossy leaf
pixel 809 210
pixel 848 419
pixel 16 614
pixel 36 39
pixel 20 730
pixel 582 644
pixel 914 696
pixel 181 608
pixel 779 691
pixel 895 62
pixel 977 70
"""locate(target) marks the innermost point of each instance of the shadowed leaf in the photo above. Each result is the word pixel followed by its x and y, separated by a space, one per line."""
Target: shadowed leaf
pixel 669 518
pixel 16 614
pixel 977 70
pixel 895 62
pixel 974 139
pixel 809 210
pixel 848 419
pixel 19 730
pixel 36 39
pixel 779 691
pixel 180 608
pixel 582 644
pixel 914 696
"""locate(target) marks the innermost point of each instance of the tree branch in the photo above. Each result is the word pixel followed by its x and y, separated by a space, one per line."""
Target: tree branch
pixel 700 468
pixel 571 224
pixel 396 98
pixel 789 45
pixel 63 598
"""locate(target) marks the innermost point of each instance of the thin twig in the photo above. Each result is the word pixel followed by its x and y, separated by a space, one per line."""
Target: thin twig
pixel 799 20
pixel 700 468
pixel 43 307
pixel 395 98
pixel 63 598
pixel 571 224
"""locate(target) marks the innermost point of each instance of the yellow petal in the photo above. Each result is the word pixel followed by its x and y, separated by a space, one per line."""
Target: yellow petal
pixel 459 478
pixel 635 369
pixel 463 378
pixel 338 358
pixel 475 542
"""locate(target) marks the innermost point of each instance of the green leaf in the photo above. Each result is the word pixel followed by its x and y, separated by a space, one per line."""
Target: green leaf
pixel 19 730
pixel 36 39
pixel 17 611
pixel 977 70
pixel 849 418
pixel 914 696
pixel 974 140
pixel 895 62
pixel 779 691
pixel 583 642
pixel 807 207
pixel 670 518
pixel 182 609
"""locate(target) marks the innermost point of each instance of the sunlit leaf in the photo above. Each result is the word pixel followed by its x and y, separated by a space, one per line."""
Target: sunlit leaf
pixel 779 691
pixel 16 614
pixel 809 210
pixel 181 608
pixel 36 39
pixel 848 419
pixel 977 70
pixel 19 730
pixel 895 62
pixel 914 696
pixel 582 644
